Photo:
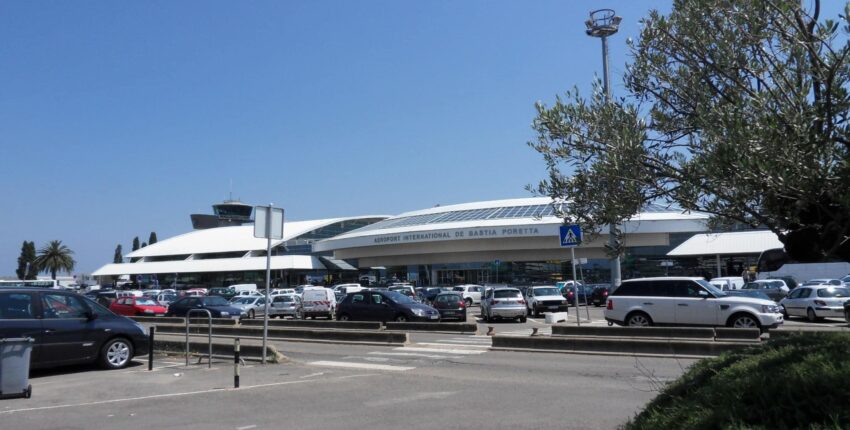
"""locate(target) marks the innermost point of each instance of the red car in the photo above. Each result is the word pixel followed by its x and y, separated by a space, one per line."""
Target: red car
pixel 137 306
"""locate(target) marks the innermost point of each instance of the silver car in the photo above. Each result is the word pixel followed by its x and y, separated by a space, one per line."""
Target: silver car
pixel 506 303
pixel 251 305
pixel 816 302
pixel 285 304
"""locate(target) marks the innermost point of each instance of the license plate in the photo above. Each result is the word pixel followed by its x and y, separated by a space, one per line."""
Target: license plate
pixel 433 317
pixel 553 307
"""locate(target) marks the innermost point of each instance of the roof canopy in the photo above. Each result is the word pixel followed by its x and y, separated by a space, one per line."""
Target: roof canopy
pixel 278 262
pixel 744 242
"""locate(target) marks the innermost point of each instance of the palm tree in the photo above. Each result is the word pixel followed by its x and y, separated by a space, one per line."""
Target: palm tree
pixel 55 257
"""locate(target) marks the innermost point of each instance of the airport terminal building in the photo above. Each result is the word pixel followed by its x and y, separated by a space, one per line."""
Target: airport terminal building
pixel 502 241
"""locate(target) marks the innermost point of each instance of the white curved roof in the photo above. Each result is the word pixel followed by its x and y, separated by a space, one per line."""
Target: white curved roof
pixel 656 219
pixel 278 262
pixel 230 239
pixel 739 242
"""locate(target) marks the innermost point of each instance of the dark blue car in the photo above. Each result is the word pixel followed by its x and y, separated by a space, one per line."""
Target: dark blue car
pixel 218 307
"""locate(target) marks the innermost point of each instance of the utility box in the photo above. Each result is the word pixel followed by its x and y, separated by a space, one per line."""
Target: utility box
pixel 15 367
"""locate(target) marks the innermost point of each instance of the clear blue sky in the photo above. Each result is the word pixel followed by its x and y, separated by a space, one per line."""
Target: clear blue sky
pixel 119 118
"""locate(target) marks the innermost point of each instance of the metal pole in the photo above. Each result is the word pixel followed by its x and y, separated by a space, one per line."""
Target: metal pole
pixel 152 331
pixel 209 339
pixel 718 266
pixel 616 276
pixel 586 306
pixel 236 360
pixel 575 284
pixel 268 279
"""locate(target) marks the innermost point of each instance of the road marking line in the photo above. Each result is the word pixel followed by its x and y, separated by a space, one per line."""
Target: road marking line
pixel 438 350
pixel 352 365
pixel 407 354
pixel 252 426
pixel 453 345
pixel 312 375
pixel 183 394
pixel 413 398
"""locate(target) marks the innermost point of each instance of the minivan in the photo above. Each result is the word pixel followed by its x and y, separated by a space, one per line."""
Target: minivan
pixel 69 328
pixel 686 301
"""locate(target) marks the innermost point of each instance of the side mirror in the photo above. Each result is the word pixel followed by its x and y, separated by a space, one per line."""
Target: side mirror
pixel 703 294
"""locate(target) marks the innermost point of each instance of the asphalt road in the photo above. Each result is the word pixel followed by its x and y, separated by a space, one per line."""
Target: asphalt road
pixel 449 381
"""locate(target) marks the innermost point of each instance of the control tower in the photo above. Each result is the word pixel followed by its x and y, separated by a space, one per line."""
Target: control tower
pixel 228 213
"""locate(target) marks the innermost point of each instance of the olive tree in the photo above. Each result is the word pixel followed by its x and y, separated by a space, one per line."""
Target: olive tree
pixel 734 108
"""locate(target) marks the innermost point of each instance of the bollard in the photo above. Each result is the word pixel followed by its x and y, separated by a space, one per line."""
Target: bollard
pixel 236 360
pixel 490 331
pixel 150 351
pixel 534 331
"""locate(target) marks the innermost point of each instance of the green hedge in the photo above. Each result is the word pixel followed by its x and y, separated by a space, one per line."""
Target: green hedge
pixel 800 381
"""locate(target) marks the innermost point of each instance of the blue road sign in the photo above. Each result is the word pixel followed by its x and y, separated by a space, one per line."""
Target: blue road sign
pixel 570 235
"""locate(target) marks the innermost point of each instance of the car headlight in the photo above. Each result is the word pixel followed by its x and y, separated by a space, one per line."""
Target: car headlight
pixel 770 309
pixel 418 312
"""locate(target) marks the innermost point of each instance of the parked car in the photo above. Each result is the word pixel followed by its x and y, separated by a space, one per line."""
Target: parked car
pixel 790 281
pixel 503 303
pixel 318 301
pixel 729 282
pixel 285 305
pixel 748 293
pixel 776 290
pixel 227 293
pixel 816 302
pixel 347 288
pixel 471 293
pixel 382 305
pixel 242 288
pixel 69 328
pixel 166 299
pixel 599 294
pixel 823 281
pixel 250 305
pixel 137 306
pixel 105 298
pixel 451 306
pixel 686 301
pixel 196 292
pixel 218 307
pixel 430 294
pixel 569 293
pixel 544 299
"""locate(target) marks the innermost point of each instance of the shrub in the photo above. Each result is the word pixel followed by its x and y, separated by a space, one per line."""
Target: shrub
pixel 800 381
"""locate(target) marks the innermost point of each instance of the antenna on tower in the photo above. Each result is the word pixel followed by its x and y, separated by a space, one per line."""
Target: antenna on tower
pixel 231 190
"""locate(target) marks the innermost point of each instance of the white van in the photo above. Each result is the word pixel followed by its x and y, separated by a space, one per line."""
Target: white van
pixel 319 301
pixel 243 289
pixel 348 288
pixel 727 283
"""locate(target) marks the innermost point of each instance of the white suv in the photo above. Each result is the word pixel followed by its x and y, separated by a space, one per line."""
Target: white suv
pixel 687 301
pixel 471 293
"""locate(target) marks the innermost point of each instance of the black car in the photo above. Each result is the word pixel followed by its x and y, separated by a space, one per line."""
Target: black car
pixel 429 294
pixel 599 294
pixel 374 305
pixel 69 328
pixel 218 307
pixel 227 293
pixel 450 306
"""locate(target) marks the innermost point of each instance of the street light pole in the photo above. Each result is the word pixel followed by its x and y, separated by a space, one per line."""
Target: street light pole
pixel 604 23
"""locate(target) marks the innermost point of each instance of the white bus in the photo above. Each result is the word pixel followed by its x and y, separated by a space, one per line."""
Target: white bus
pixel 39 283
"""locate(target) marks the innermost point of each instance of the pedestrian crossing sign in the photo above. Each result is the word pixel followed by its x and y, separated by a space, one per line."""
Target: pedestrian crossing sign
pixel 570 235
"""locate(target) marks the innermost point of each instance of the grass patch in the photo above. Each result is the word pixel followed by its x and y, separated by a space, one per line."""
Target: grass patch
pixel 797 382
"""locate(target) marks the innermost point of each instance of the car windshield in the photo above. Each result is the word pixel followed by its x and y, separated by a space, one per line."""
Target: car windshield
pixel 506 294
pixel 833 292
pixel 284 299
pixel 711 288
pixel 399 298
pixel 243 300
pixel 776 284
pixel 146 302
pixel 214 301
pixel 546 292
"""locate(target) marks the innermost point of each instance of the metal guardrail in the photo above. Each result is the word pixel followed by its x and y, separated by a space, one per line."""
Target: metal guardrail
pixel 209 335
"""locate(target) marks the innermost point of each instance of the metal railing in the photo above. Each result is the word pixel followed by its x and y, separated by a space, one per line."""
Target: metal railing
pixel 209 334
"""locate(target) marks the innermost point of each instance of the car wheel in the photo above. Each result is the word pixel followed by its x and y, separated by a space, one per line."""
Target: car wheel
pixel 784 312
pixel 251 314
pixel 116 353
pixel 523 319
pixel 401 318
pixel 811 315
pixel 744 321
pixel 638 319
pixel 344 317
